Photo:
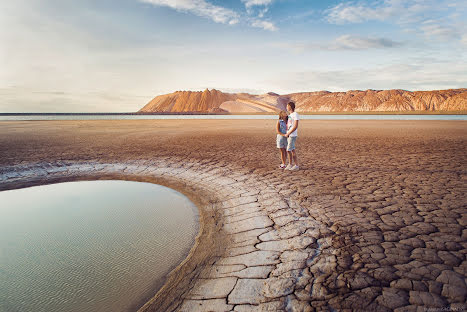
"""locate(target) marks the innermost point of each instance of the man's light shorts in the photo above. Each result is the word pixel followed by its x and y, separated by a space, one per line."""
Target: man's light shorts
pixel 281 141
pixel 291 143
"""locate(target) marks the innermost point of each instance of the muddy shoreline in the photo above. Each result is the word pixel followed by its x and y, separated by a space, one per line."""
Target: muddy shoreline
pixel 206 244
pixel 374 220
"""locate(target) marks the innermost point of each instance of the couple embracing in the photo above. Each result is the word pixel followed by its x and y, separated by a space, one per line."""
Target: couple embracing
pixel 286 129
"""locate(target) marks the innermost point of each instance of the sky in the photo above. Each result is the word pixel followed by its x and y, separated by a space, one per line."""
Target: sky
pixel 116 55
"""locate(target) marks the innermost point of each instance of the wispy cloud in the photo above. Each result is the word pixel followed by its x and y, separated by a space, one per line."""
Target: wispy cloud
pixel 401 11
pixel 262 12
pixel 250 3
pixel 344 13
pixel 434 28
pixel 266 25
pixel 201 8
pixel 350 42
pixel 258 9
pixel 431 76
pixel 345 42
pixel 419 15
pixel 221 14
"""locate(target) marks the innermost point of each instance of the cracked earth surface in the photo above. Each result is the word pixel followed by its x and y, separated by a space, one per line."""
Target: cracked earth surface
pixel 375 219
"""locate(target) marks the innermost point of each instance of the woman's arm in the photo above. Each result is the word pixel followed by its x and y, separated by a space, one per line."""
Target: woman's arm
pixel 294 127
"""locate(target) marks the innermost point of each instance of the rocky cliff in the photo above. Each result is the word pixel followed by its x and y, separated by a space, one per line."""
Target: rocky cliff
pixel 188 101
pixel 381 100
pixel 321 101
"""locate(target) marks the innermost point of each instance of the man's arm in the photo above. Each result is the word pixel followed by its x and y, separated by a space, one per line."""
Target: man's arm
pixel 294 127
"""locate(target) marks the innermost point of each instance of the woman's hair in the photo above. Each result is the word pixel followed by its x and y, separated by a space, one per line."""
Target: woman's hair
pixel 292 105
pixel 283 115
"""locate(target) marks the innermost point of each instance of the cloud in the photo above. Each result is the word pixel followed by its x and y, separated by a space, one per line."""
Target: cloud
pixel 401 11
pixel 432 28
pixel 250 3
pixel 427 17
pixel 416 76
pixel 258 21
pixel 344 13
pixel 201 8
pixel 349 42
pixel 219 14
pixel 262 12
pixel 345 42
pixel 263 24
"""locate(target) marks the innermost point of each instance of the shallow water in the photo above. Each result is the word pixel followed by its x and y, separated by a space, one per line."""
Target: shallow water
pixel 90 246
pixel 264 117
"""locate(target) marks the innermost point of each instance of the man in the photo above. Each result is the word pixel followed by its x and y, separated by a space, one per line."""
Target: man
pixel 291 135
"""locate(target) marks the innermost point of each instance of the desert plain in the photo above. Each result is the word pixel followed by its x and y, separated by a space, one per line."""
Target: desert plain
pixel 374 220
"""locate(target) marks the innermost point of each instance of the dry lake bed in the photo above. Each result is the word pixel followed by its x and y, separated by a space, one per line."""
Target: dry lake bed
pixel 374 220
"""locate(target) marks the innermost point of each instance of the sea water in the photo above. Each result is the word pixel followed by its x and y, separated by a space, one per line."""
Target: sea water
pixel 10 117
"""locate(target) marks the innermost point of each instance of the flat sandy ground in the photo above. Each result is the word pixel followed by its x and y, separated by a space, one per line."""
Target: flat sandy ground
pixel 397 191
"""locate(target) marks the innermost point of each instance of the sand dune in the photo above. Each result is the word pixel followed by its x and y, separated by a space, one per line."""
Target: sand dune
pixel 240 107
pixel 248 105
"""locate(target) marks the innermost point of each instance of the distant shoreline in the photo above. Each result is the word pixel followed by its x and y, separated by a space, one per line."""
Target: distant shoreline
pixel 265 113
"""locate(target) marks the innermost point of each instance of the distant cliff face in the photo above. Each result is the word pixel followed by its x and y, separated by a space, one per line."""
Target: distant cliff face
pixel 188 101
pixel 215 101
pixel 321 101
pixel 383 100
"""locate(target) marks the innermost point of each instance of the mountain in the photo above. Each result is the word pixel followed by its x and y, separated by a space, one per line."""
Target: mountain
pixel 188 101
pixel 381 100
pixel 216 101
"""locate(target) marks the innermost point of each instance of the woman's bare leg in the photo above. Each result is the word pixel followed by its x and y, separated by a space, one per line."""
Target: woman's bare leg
pixel 283 156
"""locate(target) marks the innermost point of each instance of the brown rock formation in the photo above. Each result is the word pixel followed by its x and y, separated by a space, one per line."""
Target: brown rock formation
pixel 188 101
pixel 381 100
pixel 320 101
pixel 215 101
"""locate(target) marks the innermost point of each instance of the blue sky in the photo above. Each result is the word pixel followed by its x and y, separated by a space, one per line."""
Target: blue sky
pixel 115 55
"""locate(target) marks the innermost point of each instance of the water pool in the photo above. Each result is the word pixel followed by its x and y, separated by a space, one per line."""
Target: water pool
pixel 90 245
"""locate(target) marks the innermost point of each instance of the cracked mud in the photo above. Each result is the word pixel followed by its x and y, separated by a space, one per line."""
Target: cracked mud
pixel 374 220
